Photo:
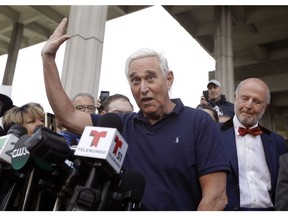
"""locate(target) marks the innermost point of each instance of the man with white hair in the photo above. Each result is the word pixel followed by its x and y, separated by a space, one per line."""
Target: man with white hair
pixel 169 143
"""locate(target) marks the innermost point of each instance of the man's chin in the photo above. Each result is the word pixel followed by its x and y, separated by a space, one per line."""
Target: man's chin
pixel 149 110
pixel 246 119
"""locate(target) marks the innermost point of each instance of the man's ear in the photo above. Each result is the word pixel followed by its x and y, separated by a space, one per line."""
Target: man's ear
pixel 170 79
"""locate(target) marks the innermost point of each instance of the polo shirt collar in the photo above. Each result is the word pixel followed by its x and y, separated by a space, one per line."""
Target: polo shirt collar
pixel 177 109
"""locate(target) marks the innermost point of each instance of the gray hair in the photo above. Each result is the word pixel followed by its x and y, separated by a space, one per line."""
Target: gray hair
pixel 84 94
pixel 146 52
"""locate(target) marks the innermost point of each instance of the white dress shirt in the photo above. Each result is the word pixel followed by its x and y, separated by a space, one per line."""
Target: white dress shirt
pixel 254 175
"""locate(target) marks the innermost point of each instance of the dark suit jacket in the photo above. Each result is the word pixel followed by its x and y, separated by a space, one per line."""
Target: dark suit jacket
pixel 274 146
pixel 281 201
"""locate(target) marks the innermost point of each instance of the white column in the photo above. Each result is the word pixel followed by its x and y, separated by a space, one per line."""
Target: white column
pixel 224 50
pixel 83 53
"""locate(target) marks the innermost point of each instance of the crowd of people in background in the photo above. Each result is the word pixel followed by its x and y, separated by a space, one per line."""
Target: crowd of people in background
pixel 215 156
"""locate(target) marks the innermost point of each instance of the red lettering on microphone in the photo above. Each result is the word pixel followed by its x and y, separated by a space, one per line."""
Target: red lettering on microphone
pixel 118 145
pixel 96 137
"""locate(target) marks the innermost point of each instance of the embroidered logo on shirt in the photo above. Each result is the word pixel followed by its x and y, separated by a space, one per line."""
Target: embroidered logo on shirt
pixel 177 139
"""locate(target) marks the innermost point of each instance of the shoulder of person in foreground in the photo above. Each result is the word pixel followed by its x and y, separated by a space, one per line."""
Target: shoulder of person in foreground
pixel 209 141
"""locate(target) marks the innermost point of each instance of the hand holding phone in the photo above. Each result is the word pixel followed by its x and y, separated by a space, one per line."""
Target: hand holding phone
pixel 104 95
pixel 50 121
pixel 205 94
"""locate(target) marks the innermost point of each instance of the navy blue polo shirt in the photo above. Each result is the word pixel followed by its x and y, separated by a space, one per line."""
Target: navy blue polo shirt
pixel 172 154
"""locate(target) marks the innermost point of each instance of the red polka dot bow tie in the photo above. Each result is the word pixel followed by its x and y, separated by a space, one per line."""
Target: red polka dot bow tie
pixel 254 131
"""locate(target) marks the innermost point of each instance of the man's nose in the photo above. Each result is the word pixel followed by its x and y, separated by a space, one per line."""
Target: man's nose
pixel 144 87
pixel 249 103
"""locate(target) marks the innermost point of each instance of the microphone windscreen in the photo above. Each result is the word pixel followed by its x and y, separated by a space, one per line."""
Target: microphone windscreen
pixel 37 128
pixel 17 130
pixel 48 146
pixel 133 183
pixel 20 154
pixel 111 120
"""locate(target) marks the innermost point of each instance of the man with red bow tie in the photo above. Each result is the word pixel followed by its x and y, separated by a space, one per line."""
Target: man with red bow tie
pixel 254 150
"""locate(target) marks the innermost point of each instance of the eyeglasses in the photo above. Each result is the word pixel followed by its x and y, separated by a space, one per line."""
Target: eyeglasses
pixel 89 108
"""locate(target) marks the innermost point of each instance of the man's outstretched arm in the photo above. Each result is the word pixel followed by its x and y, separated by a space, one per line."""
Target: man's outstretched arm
pixel 72 119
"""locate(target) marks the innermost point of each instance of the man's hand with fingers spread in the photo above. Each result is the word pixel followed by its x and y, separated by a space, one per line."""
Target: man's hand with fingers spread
pixel 55 40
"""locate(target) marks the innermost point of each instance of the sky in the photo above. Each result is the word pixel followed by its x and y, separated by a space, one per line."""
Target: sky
pixel 153 28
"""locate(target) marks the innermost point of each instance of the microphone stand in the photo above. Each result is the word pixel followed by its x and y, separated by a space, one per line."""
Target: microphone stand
pixel 28 190
pixel 8 197
pixel 85 197
pixel 15 187
pixel 105 196
pixel 67 189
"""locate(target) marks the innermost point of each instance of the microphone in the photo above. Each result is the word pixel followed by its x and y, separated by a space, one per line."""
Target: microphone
pixel 132 188
pixel 20 154
pixel 104 143
pixel 8 142
pixel 106 148
pixel 38 155
pixel 19 170
pixel 8 177
pixel 111 120
pixel 17 130
pixel 21 162
pixel 48 146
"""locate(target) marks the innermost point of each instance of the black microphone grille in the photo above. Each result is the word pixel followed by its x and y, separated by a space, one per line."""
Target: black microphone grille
pixel 37 128
pixel 133 182
pixel 111 120
pixel 17 130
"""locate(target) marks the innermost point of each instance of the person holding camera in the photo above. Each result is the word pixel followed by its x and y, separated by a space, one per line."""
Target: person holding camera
pixel 214 97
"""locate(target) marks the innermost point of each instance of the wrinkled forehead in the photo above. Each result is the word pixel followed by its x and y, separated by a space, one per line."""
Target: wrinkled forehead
pixel 151 61
pixel 144 66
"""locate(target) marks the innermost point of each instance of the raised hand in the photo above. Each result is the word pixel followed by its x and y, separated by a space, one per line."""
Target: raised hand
pixel 55 40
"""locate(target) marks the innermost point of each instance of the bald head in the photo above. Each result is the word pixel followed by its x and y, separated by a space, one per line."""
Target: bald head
pixel 251 99
pixel 255 83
